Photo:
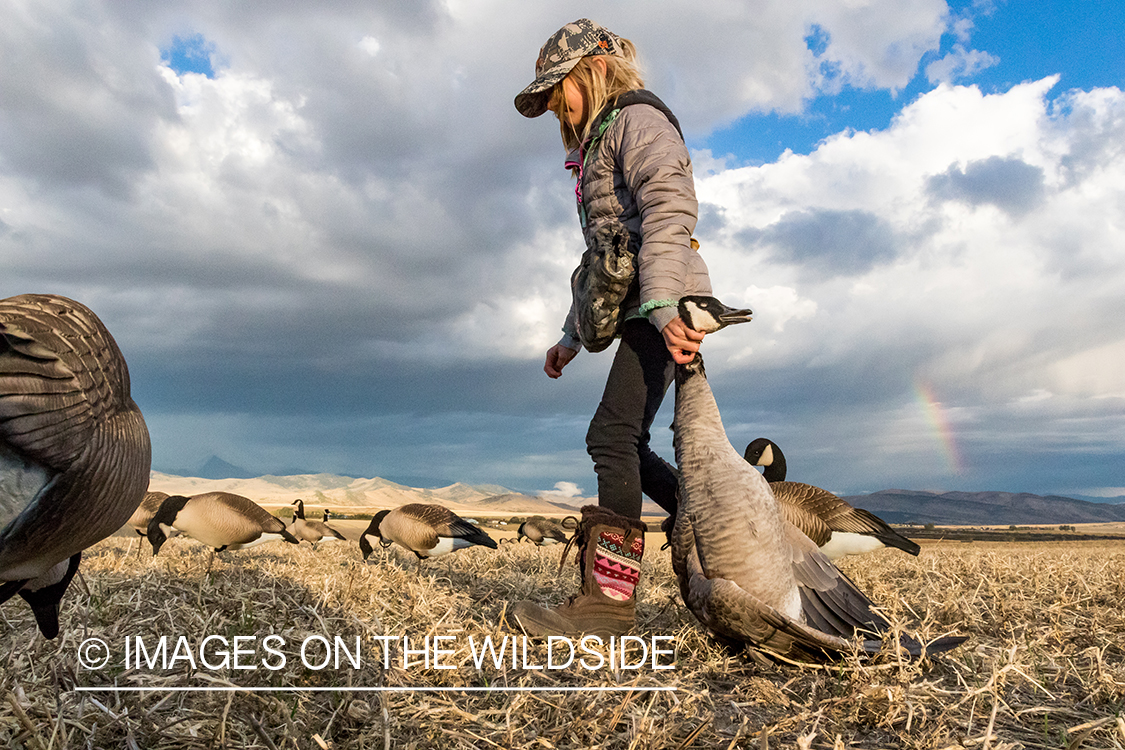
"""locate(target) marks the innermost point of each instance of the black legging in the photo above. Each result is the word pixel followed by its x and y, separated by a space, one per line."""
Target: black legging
pixel 619 432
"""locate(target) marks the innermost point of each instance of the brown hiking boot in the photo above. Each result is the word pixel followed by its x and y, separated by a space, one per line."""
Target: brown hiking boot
pixel 610 548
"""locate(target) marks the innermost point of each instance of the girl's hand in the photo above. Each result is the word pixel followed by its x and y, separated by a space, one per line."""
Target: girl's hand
pixel 558 356
pixel 681 341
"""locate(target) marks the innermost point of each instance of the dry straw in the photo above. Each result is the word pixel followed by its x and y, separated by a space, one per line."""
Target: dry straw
pixel 1045 666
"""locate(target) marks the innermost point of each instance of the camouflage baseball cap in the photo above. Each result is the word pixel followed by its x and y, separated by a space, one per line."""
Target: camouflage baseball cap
pixel 558 57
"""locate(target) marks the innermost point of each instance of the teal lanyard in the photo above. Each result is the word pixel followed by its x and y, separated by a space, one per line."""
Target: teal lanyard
pixel 591 148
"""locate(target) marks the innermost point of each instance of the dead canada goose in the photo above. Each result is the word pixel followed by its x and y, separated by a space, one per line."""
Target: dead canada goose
pixel 311 531
pixel 74 449
pixel 836 527
pixel 424 529
pixel 746 573
pixel 221 520
pixel 542 531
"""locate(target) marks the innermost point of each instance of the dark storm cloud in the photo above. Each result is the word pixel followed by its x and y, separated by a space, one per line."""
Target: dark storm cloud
pixel 1010 184
pixel 347 251
pixel 80 99
pixel 827 242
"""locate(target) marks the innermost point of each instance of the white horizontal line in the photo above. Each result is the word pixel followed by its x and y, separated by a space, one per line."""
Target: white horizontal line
pixel 226 689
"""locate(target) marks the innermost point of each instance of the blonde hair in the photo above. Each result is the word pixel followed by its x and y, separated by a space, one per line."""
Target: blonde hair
pixel 621 74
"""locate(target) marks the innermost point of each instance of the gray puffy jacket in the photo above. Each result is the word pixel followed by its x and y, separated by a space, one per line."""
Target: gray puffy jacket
pixel 640 174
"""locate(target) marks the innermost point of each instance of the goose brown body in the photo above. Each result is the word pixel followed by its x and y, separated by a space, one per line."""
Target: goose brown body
pixel 836 527
pixel 310 530
pixel 221 520
pixel 542 531
pixel 74 449
pixel 425 529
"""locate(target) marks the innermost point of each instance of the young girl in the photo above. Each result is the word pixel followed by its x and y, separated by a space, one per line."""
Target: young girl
pixel 632 167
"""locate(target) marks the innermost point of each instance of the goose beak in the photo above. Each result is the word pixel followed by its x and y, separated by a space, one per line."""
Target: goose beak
pixel 730 316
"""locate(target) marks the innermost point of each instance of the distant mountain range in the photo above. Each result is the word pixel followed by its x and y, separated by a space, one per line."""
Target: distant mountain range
pixel 984 508
pixel 341 493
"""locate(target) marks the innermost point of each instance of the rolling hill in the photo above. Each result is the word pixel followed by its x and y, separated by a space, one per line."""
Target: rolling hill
pixel 984 508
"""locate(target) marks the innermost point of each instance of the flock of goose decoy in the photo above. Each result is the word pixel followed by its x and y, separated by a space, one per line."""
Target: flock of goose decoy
pixel 753 553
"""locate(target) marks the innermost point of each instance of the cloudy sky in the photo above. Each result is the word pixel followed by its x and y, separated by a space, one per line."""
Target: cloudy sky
pixel 326 241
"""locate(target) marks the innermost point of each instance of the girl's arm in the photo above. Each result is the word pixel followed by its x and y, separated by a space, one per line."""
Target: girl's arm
pixel 558 356
pixel 657 171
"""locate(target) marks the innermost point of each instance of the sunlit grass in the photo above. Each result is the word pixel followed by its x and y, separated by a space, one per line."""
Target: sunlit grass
pixel 1044 667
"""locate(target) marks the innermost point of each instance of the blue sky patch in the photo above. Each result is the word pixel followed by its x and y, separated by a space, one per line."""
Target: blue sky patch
pixel 1081 41
pixel 190 54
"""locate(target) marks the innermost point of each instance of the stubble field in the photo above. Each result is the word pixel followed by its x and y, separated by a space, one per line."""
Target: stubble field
pixel 1044 666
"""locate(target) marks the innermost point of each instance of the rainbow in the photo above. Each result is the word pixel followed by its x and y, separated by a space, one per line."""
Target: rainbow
pixel 935 415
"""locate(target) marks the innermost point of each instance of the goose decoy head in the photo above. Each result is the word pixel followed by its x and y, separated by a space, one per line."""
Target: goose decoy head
pixel 162 520
pixel 373 530
pixel 759 452
pixel 707 314
pixel 765 453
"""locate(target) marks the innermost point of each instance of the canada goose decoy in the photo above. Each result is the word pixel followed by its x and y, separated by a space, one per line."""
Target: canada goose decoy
pixel 221 520
pixel 424 529
pixel 746 573
pixel 74 449
pixel 311 531
pixel 150 503
pixel 542 531
pixel 837 528
pixel 139 521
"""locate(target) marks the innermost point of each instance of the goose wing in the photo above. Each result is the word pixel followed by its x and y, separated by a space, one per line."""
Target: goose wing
pixel 66 413
pixel 818 513
pixel 555 531
pixel 727 609
pixel 445 523
pixel 301 529
pixel 61 373
pixel 248 509
pixel 324 530
pixel 833 604
pixel 810 524
pixel 223 519
pixel 830 601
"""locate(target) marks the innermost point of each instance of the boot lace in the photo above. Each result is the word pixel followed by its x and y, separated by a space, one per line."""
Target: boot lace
pixel 581 536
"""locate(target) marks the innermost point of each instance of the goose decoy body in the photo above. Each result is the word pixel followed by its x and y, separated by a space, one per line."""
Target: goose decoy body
pixel 74 449
pixel 221 520
pixel 542 531
pixel 837 528
pixel 425 529
pixel 747 574
pixel 311 531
